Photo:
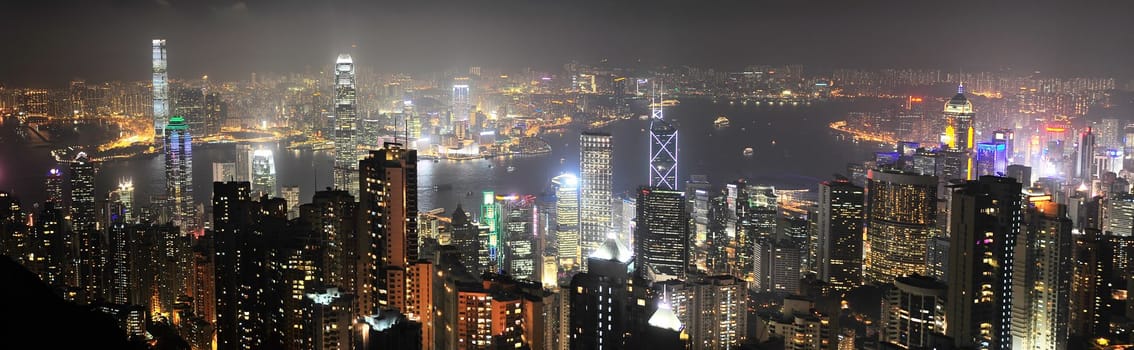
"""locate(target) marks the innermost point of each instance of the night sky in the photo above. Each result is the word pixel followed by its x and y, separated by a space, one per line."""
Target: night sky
pixel 46 43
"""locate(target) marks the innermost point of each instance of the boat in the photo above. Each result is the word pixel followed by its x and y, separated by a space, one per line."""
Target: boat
pixel 511 168
pixel 748 152
pixel 721 122
pixel 643 117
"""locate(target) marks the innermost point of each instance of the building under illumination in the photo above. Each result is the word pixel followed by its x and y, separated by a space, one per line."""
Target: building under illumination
pixel 179 173
pixel 984 225
pixel 388 204
pixel 913 312
pixel 596 181
pixel 714 310
pixel 599 299
pixel 567 219
pixel 958 136
pixel 900 219
pixel 663 152
pixel 840 233
pixel 264 173
pixel 1041 279
pixel 160 88
pixel 662 234
pixel 346 114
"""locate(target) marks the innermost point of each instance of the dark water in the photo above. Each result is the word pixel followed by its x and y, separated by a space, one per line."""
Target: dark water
pixel 804 152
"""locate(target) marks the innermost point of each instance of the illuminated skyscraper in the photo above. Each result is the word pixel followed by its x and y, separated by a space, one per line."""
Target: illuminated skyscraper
pixel 567 219
pixel 179 173
pixel 913 311
pixel 490 224
pixel 1084 167
pixel 840 233
pixel 984 223
pixel 84 221
pixel 243 163
pixel 958 135
pixel 662 234
pixel 346 113
pixel 1041 279
pixel 291 195
pixel 991 158
pixel 663 150
pixel 160 87
pixel 54 186
pixel 388 204
pixel 263 173
pixel 596 157
pixel 519 217
pixel 599 311
pixel 714 310
pixel 125 196
pixel 901 217
pixel 461 100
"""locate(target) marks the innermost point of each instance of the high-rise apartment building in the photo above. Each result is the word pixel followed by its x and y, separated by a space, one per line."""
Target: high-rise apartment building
pixel 388 204
pixel 913 312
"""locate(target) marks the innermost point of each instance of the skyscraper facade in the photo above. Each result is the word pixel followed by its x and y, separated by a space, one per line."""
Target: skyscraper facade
pixel 160 87
pixel 346 114
pixel 958 136
pixel 662 234
pixel 1041 279
pixel 913 311
pixel 596 157
pixel 840 233
pixel 567 219
pixel 84 221
pixel 264 173
pixel 901 217
pixel 1084 166
pixel 984 223
pixel 663 153
pixel 179 173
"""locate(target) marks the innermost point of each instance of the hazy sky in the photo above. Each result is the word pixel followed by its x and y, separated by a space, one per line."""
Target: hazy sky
pixel 48 42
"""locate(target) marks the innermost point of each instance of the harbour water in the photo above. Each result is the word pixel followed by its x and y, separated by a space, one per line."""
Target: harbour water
pixel 792 148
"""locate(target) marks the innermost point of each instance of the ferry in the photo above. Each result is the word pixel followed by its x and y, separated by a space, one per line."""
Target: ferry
pixel 748 152
pixel 665 103
pixel 511 168
pixel 721 122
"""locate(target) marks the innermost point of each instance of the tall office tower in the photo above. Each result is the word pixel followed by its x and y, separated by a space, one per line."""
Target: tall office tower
pixel 600 298
pixel 663 233
pixel 332 214
pixel 462 101
pixel 490 224
pixel 465 235
pixel 54 187
pixel 1041 278
pixel 913 311
pixel 161 89
pixel 984 223
pixel 263 173
pixel 118 255
pixel 625 208
pixel 840 234
pixel 756 213
pixel 567 220
pixel 596 168
pixel 84 222
pixel 388 203
pixel 518 232
pixel 901 217
pixel 179 173
pixel 958 135
pixel 1108 131
pixel 1007 137
pixel 991 158
pixel 776 265
pixel 718 242
pixel 233 218
pixel 714 310
pixel 290 194
pixel 346 113
pixel 1119 215
pixel 243 163
pixel 124 195
pixel 663 151
pixel 1084 166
